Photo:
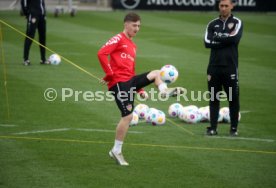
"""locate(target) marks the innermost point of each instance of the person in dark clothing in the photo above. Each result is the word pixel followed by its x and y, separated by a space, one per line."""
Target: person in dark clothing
pixel 223 35
pixel 35 13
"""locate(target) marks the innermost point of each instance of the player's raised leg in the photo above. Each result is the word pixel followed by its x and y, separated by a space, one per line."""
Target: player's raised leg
pixel 162 86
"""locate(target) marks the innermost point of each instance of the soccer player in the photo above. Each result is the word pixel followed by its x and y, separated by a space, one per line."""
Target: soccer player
pixel 117 58
pixel 35 13
pixel 223 35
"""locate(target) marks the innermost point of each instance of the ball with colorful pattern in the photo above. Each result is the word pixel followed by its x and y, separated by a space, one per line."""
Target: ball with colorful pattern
pixel 168 74
pixel 54 59
pixel 158 118
pixel 141 110
pixel 175 109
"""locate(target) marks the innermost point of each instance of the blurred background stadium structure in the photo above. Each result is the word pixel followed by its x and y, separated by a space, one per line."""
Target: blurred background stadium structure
pixel 71 6
pixel 62 5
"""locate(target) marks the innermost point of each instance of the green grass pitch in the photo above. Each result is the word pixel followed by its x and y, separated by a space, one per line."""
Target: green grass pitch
pixel 66 143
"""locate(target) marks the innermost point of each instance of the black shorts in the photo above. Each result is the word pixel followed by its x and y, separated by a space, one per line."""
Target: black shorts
pixel 124 92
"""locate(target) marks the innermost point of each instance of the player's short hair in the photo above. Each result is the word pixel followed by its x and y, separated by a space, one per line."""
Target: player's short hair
pixel 132 17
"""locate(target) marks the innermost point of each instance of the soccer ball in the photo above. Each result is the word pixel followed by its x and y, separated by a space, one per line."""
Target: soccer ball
pixel 226 114
pixel 181 113
pixel 158 118
pixel 135 119
pixel 191 108
pixel 191 114
pixel 220 117
pixel 168 74
pixel 150 114
pixel 174 109
pixel 204 111
pixel 141 110
pixel 54 59
pixel 224 111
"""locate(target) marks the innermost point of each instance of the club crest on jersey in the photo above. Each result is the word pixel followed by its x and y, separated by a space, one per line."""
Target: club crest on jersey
pixel 129 107
pixel 230 25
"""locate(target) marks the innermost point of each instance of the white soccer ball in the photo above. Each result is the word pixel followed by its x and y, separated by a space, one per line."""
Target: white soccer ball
pixel 205 113
pixel 54 59
pixel 191 108
pixel 158 118
pixel 181 113
pixel 192 116
pixel 135 119
pixel 175 109
pixel 151 113
pixel 141 110
pixel 226 114
pixel 168 74
pixel 220 117
pixel 224 111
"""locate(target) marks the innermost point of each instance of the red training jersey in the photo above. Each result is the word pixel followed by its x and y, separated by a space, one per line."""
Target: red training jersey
pixel 117 58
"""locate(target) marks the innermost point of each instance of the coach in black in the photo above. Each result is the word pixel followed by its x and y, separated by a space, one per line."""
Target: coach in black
pixel 222 36
pixel 35 12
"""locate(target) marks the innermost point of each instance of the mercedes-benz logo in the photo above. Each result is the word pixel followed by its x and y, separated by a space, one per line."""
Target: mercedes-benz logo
pixel 130 4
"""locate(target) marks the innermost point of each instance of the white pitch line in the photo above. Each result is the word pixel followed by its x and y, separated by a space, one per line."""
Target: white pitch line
pixel 7 125
pixel 42 131
pixel 243 138
pixel 136 132
pixel 105 130
pixel 67 129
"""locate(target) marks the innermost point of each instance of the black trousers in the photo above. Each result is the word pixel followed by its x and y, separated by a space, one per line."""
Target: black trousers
pixel 33 23
pixel 223 77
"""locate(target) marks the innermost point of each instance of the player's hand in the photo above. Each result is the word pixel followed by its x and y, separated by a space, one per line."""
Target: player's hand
pixel 103 82
pixel 25 12
pixel 143 94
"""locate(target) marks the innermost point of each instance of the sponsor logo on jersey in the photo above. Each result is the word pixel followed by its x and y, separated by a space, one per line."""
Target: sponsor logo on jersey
pixel 216 25
pixel 127 56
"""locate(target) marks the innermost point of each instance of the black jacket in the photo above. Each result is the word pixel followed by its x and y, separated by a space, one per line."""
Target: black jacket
pixel 33 7
pixel 223 38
